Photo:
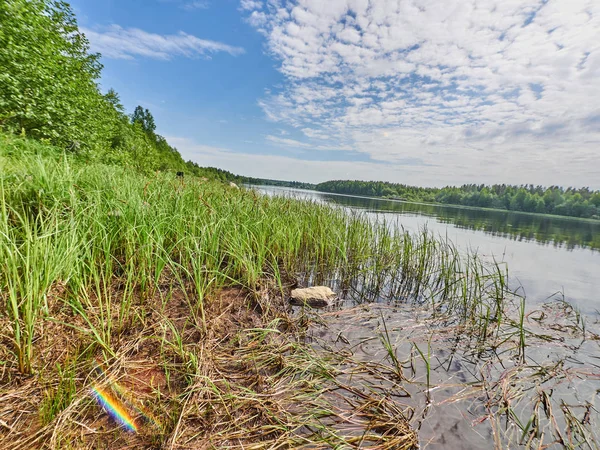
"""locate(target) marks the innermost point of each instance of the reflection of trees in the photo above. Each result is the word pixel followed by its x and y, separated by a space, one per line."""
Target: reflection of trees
pixel 568 233
pixel 528 198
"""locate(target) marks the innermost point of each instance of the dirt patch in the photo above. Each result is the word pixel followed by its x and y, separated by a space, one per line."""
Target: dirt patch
pixel 228 372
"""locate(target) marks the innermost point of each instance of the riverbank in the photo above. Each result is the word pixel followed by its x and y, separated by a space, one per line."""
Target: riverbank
pixel 150 311
pixel 449 205
pixel 556 200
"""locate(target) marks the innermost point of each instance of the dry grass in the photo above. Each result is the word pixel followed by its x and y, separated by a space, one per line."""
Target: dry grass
pixel 247 382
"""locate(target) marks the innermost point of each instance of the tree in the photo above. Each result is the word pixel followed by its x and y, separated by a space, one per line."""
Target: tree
pixel 48 77
pixel 540 206
pixel 144 118
pixel 518 200
pixel 113 98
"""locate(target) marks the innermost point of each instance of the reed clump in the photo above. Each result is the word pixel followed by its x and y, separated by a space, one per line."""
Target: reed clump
pixel 167 297
pixel 164 298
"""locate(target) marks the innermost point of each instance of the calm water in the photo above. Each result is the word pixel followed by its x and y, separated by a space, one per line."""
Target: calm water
pixel 545 254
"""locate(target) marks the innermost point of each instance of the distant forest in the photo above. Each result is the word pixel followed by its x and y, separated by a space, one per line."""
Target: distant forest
pixel 528 198
pixel 280 183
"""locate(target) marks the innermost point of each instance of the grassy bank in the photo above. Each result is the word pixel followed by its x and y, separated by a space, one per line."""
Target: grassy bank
pixel 167 297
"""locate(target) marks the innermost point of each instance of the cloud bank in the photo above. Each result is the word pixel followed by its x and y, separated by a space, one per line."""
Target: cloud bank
pixel 479 90
pixel 281 167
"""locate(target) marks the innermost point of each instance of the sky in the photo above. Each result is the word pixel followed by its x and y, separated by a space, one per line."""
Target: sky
pixel 421 92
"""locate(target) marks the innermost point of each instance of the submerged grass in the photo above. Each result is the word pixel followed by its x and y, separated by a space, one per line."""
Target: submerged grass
pixel 549 400
pixel 169 296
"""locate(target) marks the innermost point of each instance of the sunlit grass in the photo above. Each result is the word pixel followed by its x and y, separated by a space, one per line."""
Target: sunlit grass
pixel 123 266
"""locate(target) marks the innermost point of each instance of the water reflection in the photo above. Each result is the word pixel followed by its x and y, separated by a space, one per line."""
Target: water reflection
pixel 557 231
pixel 544 254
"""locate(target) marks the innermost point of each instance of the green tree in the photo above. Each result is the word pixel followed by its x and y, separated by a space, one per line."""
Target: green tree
pixel 144 118
pixel 48 77
pixel 113 98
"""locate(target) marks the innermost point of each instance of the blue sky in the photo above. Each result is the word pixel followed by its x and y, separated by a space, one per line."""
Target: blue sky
pixel 480 91
pixel 211 98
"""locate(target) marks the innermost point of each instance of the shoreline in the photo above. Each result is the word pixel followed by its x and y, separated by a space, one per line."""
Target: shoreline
pixel 168 301
pixel 442 205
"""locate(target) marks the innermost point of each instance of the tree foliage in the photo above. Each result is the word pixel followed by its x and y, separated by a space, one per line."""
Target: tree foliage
pixel 49 91
pixel 48 79
pixel 528 198
pixel 144 118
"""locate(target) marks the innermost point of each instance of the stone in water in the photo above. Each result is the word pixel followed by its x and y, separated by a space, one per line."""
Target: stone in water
pixel 315 297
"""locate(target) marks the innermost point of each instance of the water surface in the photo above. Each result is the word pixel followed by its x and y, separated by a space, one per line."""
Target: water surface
pixel 545 255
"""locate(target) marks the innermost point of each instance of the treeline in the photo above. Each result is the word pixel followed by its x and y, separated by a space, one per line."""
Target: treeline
pixel 49 91
pixel 541 228
pixel 279 183
pixel 528 198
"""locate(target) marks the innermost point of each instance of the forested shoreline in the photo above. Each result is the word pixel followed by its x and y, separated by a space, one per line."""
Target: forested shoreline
pixel 573 202
pixel 279 183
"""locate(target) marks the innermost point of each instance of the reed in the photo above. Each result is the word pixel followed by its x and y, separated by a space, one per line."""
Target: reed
pixel 178 289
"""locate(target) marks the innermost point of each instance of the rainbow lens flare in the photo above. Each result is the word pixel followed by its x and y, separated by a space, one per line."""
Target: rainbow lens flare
pixel 126 395
pixel 114 408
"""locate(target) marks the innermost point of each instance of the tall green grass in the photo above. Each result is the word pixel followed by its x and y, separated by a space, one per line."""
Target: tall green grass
pixel 132 267
pixel 85 226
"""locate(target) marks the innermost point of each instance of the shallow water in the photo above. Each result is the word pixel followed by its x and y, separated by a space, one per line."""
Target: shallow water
pixel 486 399
pixel 544 254
pixel 463 405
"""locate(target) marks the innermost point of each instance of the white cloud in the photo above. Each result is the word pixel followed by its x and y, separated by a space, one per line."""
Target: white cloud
pixel 281 167
pixel 257 19
pixel 287 168
pixel 315 134
pixel 288 142
pixel 293 143
pixel 249 5
pixel 468 84
pixel 127 43
pixel 194 5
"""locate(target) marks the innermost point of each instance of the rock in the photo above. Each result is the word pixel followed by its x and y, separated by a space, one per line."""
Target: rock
pixel 315 297
pixel 233 185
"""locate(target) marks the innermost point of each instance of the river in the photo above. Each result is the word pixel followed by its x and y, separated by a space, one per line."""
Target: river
pixel 547 256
